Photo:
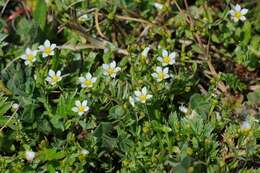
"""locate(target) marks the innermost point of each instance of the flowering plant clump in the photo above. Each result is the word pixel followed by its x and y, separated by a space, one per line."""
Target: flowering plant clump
pixel 129 86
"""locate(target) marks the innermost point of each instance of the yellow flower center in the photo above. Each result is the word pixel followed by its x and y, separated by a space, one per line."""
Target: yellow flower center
pixel 238 14
pixel 161 75
pixel 110 71
pixel 81 108
pixel 30 57
pixel 142 98
pixel 166 59
pixel 55 78
pixel 88 83
pixel 47 50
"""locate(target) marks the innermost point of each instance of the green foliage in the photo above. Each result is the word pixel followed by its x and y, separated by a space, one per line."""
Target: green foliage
pixel 203 118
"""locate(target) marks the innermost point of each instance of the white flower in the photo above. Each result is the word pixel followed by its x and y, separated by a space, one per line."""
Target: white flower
pixel 84 18
pixel 29 56
pixel 111 69
pixel 53 77
pixel 29 155
pixel 237 13
pixel 88 81
pixel 47 49
pixel 15 106
pixel 142 96
pixel 132 101
pixel 161 74
pixel 158 5
pixel 167 59
pixel 145 51
pixel 183 109
pixel 245 125
pixel 80 108
pixel 218 117
pixel 84 152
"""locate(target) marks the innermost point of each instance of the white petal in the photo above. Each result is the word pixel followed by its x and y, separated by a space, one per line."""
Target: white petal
pixel 172 55
pixel 52 53
pixel 77 103
pixel 94 79
pixel 242 18
pixel 113 64
pixel 145 51
pixel 27 63
pixel 58 73
pixel 41 48
pixel 113 75
pixel 165 70
pixel 53 46
pixel 105 66
pixel 235 19
pixel 44 55
pixel 237 7
pixel 160 59
pixel 84 103
pixel 75 109
pixel 82 79
pixel 232 12
pixel 81 113
pixel 138 93
pixel 34 52
pixel 88 76
pixel 24 57
pixel 144 90
pixel 154 75
pixel 244 11
pixel 48 79
pixel 51 73
pixel 149 96
pixel 28 51
pixel 47 43
pixel 164 53
pixel 118 69
pixel 87 109
pixel 158 69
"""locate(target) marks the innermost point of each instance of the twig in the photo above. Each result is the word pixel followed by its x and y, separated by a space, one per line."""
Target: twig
pixel 97 24
pixel 4 7
pixel 6 123
pixel 10 63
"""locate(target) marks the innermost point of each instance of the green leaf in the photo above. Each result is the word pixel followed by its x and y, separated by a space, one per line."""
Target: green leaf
pixel 40 13
pixel 200 104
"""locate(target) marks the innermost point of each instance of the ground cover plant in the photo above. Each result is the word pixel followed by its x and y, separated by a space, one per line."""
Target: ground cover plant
pixel 129 86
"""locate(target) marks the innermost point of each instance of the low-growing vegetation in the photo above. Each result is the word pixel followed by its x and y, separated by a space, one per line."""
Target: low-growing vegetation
pixel 129 86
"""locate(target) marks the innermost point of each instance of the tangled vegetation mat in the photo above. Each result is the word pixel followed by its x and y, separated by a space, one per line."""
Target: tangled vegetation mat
pixel 129 86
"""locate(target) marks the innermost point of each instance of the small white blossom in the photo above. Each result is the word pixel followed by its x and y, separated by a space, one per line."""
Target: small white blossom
pixel 87 81
pixel 80 108
pixel 15 106
pixel 53 77
pixel 245 125
pixel 132 101
pixel 84 18
pixel 84 152
pixel 145 51
pixel 183 109
pixel 161 74
pixel 167 59
pixel 237 13
pixel 111 69
pixel 218 117
pixel 158 5
pixel 29 155
pixel 29 57
pixel 47 49
pixel 142 96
